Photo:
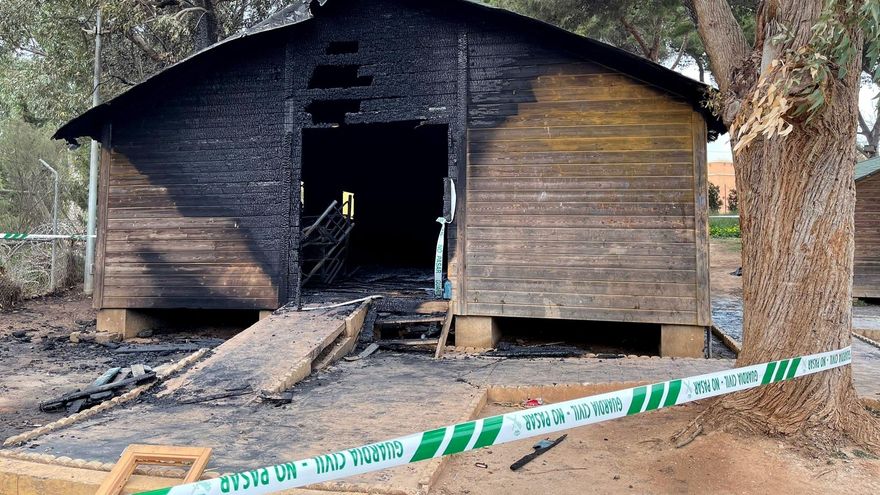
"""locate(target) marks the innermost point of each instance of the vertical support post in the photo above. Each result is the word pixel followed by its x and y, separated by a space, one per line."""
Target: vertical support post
pixel 479 332
pixel 106 164
pixel 701 221
pixel 682 341
pixel 54 225
pixel 88 280
pixel 461 158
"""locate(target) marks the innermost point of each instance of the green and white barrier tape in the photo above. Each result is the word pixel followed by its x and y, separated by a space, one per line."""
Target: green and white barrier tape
pixel 14 236
pixel 441 240
pixel 495 430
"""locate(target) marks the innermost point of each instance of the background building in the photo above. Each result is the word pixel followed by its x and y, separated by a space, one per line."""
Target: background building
pixel 722 175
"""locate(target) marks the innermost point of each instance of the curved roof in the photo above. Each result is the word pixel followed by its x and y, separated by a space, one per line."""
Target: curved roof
pixel 867 168
pixel 89 122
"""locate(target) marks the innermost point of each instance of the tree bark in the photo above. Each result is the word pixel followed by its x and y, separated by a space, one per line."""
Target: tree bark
pixel 724 41
pixel 681 51
pixel 646 51
pixel 796 202
pixel 207 31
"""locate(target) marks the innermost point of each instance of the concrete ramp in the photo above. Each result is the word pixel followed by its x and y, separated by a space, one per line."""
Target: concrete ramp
pixel 271 355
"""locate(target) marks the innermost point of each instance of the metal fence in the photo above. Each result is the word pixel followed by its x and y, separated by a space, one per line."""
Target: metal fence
pixel 40 263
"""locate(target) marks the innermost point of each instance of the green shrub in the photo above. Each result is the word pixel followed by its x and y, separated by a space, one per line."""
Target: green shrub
pixel 724 227
pixel 724 231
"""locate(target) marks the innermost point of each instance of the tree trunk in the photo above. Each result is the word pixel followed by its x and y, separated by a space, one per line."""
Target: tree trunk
pixel 207 32
pixel 796 202
pixel 797 198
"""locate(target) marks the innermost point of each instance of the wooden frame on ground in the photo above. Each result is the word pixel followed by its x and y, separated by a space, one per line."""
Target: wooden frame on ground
pixel 166 455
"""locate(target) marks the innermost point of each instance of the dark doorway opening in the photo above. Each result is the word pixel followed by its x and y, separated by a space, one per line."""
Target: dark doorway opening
pixel 396 173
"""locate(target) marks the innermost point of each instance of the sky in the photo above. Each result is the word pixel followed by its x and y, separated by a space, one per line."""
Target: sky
pixel 719 150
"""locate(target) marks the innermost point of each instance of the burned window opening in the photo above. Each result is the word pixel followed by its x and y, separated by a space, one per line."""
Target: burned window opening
pixel 341 47
pixel 395 171
pixel 332 111
pixel 338 76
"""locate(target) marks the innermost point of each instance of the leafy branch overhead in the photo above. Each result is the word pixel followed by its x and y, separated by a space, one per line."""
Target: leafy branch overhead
pixel 798 82
pixel 47 46
pixel 662 31
pixel 796 85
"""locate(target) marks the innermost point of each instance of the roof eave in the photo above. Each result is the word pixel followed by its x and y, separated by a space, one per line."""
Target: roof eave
pixel 88 123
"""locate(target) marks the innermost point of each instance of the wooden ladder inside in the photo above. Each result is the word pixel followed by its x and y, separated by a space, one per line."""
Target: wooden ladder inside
pixel 325 244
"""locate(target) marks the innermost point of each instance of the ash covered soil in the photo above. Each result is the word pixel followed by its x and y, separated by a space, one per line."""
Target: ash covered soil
pixel 38 361
pixel 635 455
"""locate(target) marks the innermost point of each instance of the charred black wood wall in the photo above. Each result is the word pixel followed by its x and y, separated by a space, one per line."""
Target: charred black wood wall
pixel 194 207
pixel 203 205
pixel 200 208
pixel 365 62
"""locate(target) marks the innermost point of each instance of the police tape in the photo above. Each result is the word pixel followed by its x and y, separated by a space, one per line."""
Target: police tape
pixel 495 430
pixel 441 239
pixel 16 236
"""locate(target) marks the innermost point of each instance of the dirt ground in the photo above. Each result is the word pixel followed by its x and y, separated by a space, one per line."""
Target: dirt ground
pixel 635 455
pixel 39 362
pixel 630 455
pixel 725 256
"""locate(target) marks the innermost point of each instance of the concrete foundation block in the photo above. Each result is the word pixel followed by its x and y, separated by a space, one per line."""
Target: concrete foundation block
pixel 480 332
pixel 682 341
pixel 106 337
pixel 126 323
pixel 265 313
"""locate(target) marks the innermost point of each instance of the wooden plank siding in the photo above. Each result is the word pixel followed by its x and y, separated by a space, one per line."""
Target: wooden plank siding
pixel 581 190
pixel 584 192
pixel 193 210
pixel 101 227
pixel 701 222
pixel 866 269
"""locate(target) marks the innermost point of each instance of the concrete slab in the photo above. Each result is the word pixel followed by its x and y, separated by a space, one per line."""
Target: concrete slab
pixel 866 369
pixel 19 477
pixel 342 408
pixel 727 317
pixel 868 324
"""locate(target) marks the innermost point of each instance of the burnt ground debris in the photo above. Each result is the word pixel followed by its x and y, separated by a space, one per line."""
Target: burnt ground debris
pixel 41 363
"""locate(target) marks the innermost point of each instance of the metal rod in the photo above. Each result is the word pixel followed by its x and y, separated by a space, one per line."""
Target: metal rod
pixel 88 282
pixel 320 219
pixel 54 225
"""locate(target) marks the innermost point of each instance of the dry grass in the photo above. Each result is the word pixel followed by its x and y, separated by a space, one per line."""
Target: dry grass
pixel 10 293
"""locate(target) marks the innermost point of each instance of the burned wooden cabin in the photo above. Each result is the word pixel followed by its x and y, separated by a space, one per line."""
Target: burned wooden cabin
pixel 578 169
pixel 866 263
